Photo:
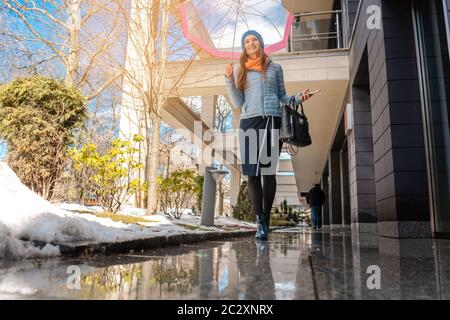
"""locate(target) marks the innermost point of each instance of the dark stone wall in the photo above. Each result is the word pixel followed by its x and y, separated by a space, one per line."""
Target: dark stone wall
pixel 398 142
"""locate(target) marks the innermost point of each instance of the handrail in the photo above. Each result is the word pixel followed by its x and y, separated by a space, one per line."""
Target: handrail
pixel 350 42
pixel 298 39
pixel 316 13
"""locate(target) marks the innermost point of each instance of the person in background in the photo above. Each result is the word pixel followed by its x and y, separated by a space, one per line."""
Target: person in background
pixel 316 198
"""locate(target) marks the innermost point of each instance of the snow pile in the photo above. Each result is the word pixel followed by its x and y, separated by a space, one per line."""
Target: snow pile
pixel 11 247
pixel 27 219
pixel 25 216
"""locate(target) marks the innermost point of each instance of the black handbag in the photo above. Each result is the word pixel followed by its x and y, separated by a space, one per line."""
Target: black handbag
pixel 294 129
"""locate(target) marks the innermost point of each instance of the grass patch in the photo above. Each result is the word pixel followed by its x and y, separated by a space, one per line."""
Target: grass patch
pixel 191 227
pixel 233 228
pixel 116 217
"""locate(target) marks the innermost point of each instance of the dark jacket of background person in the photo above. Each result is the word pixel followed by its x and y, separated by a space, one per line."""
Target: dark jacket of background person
pixel 315 196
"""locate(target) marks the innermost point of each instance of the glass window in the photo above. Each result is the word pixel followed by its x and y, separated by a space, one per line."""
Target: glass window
pixel 434 79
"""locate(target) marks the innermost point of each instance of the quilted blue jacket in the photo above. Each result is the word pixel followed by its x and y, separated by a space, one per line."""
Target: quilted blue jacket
pixel 262 97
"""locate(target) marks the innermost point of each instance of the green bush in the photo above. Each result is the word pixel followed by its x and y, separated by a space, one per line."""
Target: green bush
pixel 243 209
pixel 277 221
pixel 199 194
pixel 177 191
pixel 109 178
pixel 38 118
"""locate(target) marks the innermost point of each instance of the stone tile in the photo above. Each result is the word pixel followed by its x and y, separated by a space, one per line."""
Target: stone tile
pixel 243 269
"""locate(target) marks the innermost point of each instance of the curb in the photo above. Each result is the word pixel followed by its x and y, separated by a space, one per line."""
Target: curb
pixel 107 248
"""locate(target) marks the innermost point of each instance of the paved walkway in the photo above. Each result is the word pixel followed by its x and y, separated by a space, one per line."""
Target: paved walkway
pixel 295 263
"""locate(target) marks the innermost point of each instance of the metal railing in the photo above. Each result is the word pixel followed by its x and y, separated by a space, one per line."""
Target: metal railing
pixel 316 31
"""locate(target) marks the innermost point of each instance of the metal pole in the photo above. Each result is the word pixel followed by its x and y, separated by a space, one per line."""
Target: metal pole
pixel 292 34
pixel 208 198
pixel 338 32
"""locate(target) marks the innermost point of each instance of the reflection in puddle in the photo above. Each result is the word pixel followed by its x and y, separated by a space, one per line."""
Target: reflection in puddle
pixel 232 270
pixel 151 279
pixel 243 269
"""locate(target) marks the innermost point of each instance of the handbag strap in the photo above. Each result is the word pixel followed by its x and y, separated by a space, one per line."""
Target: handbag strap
pixel 301 105
pixel 294 105
pixel 291 151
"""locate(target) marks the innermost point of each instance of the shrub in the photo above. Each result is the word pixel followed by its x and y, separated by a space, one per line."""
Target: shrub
pixel 199 194
pixel 277 221
pixel 177 191
pixel 243 209
pixel 108 178
pixel 38 118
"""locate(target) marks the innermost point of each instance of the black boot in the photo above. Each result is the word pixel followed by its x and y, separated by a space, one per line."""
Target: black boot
pixel 262 233
pixel 268 223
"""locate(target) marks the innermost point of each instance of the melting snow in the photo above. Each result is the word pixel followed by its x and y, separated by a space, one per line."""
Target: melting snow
pixel 25 218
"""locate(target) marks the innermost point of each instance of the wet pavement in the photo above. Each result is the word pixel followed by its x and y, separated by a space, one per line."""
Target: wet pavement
pixel 296 263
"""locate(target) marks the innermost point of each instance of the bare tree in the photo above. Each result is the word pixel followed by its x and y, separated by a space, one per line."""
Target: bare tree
pixel 223 191
pixel 79 41
pixel 168 144
pixel 154 41
pixel 80 34
pixel 224 114
pixel 16 58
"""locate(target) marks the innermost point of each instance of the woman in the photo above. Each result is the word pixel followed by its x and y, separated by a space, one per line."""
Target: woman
pixel 258 90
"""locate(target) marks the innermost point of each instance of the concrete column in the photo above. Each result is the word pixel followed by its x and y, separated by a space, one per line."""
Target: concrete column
pixel 233 275
pixel 205 272
pixel 361 164
pixel 208 113
pixel 235 184
pixel 133 121
pixel 345 196
pixel 325 209
pixel 236 112
pixel 208 116
pixel 334 194
pixel 402 197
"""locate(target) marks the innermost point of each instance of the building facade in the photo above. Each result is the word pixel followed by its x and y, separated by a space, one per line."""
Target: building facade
pixel 388 168
pixel 380 125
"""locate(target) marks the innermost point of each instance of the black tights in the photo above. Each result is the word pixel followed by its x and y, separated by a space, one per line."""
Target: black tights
pixel 262 195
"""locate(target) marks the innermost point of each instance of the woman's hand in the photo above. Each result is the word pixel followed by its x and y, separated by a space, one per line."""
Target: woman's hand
pixel 229 70
pixel 305 94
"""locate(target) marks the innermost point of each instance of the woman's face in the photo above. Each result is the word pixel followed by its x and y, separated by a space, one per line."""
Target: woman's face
pixel 252 45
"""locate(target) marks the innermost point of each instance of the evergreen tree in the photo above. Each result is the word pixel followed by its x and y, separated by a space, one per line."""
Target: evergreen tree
pixel 38 117
pixel 199 194
pixel 243 209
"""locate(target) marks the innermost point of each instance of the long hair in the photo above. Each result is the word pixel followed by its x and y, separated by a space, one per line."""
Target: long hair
pixel 241 83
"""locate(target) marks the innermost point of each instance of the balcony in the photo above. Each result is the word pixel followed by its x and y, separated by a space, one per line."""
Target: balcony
pixel 316 31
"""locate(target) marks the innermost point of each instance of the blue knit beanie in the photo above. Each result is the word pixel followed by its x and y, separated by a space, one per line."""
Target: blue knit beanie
pixel 252 32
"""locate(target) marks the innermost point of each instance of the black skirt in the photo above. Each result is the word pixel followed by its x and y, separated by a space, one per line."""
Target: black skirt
pixel 260 147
